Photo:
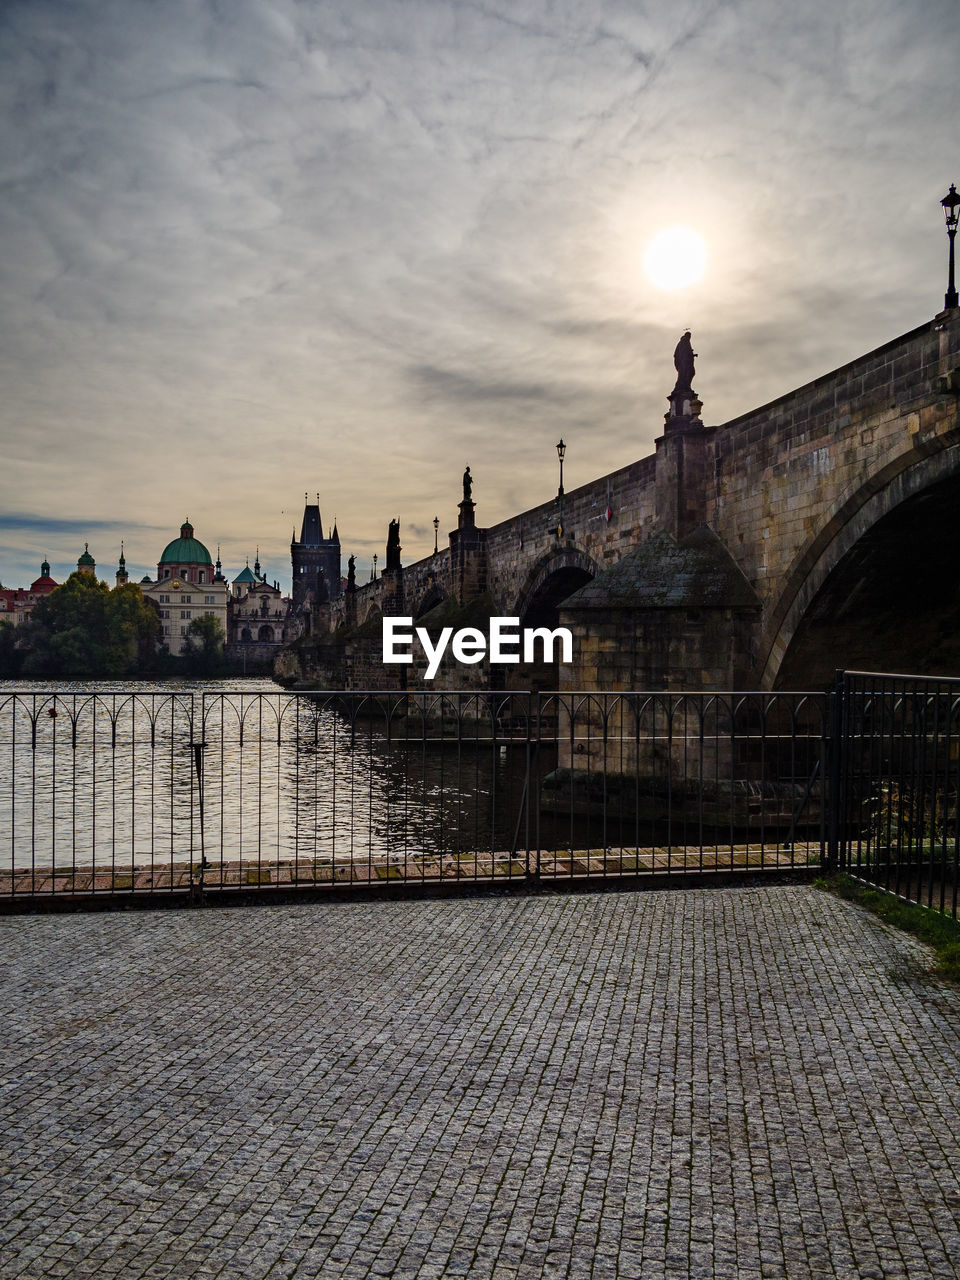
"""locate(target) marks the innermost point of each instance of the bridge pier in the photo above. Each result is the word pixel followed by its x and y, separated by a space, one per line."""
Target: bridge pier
pixel 468 555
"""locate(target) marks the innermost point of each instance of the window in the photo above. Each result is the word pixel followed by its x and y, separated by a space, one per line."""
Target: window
pixel 184 613
pixel 187 599
pixel 166 573
pixel 201 576
pixel 183 631
pixel 209 599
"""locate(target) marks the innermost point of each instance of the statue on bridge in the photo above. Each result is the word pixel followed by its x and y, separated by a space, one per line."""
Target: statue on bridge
pixel 393 546
pixel 352 574
pixel 683 358
pixel 467 485
pixel 685 406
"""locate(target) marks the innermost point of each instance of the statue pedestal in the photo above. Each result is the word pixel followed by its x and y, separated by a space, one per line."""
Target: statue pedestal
pixel 467 518
pixel 684 411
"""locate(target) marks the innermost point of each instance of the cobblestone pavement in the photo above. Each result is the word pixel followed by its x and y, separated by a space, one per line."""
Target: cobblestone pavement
pixel 742 1082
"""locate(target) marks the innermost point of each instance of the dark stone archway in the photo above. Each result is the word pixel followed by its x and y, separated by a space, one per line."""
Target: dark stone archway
pixel 431 598
pixel 550 582
pixel 553 580
pixel 891 603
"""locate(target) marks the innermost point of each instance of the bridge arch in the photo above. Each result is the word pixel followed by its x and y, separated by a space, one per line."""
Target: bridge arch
pixel 368 612
pixel 877 586
pixel 552 579
pixel 431 597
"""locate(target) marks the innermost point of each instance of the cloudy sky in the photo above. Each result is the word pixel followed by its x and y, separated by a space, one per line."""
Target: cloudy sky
pixel 253 248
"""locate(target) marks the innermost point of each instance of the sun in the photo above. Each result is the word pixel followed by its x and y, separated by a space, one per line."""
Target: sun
pixel 675 258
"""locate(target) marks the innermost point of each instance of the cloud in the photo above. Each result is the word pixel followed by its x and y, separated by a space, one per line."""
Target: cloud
pixel 460 387
pixel 44 524
pixel 253 247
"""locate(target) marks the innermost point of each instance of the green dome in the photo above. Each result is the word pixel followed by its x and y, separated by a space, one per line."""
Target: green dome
pixel 186 549
pixel 86 558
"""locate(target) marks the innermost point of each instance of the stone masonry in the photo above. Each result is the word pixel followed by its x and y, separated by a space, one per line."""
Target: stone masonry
pixel 737 1084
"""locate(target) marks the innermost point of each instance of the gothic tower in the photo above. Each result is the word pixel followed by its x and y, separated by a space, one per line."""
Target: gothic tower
pixel 316 561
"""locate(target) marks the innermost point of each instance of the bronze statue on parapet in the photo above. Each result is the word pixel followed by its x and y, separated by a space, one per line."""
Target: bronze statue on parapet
pixel 685 405
pixel 393 546
pixel 683 358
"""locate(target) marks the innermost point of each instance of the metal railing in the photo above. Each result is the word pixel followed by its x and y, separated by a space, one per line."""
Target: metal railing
pixel 196 793
pixel 895 819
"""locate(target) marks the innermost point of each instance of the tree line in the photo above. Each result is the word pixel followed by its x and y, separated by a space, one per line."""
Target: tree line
pixel 83 630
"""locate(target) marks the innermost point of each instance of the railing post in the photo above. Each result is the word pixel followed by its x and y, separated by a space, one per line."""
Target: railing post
pixel 836 748
pixel 196 887
pixel 533 791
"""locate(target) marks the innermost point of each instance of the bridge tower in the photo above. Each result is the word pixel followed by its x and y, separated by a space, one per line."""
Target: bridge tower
pixel 315 560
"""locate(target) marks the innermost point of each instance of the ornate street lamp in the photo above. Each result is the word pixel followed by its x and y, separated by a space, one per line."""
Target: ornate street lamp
pixel 436 533
pixel 561 450
pixel 374 578
pixel 951 202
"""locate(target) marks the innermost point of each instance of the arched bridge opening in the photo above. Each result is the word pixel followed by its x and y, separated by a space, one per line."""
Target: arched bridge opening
pixel 430 599
pixel 891 603
pixel 548 586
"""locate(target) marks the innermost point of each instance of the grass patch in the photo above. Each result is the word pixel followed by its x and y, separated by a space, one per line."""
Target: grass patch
pixel 939 931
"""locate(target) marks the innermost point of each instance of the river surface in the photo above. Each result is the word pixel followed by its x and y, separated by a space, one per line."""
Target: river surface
pixel 136 773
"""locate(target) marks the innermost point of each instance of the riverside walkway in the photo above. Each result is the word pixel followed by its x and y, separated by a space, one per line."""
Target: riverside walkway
pixel 737 1082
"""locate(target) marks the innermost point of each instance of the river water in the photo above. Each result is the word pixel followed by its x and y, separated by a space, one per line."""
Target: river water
pixel 136 773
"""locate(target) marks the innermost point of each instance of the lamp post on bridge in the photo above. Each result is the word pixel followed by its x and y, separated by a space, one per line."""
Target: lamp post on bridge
pixel 561 450
pixel 436 533
pixel 951 202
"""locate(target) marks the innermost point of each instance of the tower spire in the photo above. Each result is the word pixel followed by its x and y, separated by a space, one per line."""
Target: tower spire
pixel 122 575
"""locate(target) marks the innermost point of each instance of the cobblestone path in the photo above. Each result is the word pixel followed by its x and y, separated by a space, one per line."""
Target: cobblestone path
pixel 730 1082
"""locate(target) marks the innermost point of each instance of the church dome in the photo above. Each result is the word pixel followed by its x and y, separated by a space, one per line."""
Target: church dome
pixel 186 549
pixel 44 583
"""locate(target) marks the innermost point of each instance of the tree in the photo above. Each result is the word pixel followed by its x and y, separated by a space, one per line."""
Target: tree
pixel 10 656
pixel 83 631
pixel 202 653
pixel 134 627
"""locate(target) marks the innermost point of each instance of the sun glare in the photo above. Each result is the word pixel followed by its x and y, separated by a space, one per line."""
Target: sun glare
pixel 675 258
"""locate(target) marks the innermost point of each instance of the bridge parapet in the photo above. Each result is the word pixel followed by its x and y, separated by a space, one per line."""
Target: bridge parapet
pixel 788 489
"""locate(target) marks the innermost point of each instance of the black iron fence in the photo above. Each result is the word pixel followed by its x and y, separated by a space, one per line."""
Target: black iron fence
pixel 127 792
pixel 895 820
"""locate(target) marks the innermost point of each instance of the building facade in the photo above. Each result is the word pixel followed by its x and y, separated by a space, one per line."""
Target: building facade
pixel 16 603
pixel 188 586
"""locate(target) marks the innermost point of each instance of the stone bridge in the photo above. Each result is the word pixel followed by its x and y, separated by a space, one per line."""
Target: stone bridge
pixel 817 531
